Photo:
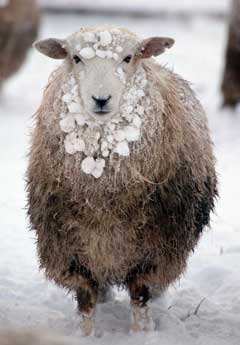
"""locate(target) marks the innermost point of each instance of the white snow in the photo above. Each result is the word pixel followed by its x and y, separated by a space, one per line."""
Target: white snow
pixel 67 98
pixel 87 53
pixel 212 280
pixel 101 53
pixel 88 165
pixel 150 6
pixel 90 37
pixel 119 49
pixel 105 38
pixel 132 133
pixel 94 167
pixel 67 124
pixel 74 143
pixel 74 107
pixel 122 148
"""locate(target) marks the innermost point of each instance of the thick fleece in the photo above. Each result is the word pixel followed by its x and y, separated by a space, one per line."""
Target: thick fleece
pixel 144 216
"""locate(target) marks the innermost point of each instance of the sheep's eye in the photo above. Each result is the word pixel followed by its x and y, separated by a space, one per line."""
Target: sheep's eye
pixel 128 58
pixel 76 59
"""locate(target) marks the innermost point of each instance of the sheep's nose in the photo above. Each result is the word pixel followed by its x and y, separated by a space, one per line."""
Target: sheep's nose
pixel 101 102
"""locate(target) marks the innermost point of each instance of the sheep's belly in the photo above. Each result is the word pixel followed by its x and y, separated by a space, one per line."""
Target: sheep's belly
pixel 112 256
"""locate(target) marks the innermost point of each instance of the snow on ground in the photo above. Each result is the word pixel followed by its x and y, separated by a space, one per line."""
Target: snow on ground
pixel 212 282
pixel 186 6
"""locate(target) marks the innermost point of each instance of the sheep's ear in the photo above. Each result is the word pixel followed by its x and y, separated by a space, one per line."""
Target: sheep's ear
pixel 52 47
pixel 154 46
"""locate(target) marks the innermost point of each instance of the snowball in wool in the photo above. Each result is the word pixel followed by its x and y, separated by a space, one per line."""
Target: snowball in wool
pixel 119 135
pixel 101 53
pixel 74 107
pixel 67 98
pixel 88 165
pixel 115 56
pixel 93 167
pixel 74 143
pixel 140 110
pixel 122 149
pixel 119 49
pixel 132 133
pixel 137 121
pixel 87 53
pixel 105 38
pixel 89 37
pixel 80 119
pixel 67 124
pixel 79 145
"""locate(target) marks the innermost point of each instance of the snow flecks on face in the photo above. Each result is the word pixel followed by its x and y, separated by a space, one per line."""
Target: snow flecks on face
pixel 104 44
pixel 98 140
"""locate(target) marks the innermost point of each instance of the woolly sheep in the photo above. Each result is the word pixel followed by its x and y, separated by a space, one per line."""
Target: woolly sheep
pixel 18 29
pixel 231 77
pixel 119 191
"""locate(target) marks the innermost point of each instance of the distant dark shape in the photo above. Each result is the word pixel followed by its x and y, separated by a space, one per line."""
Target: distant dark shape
pixel 231 78
pixel 19 21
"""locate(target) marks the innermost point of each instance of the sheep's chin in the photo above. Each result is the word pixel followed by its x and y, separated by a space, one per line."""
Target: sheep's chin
pixel 101 118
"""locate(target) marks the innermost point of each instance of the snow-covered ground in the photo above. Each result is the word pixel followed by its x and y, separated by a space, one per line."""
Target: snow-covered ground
pixel 150 6
pixel 204 308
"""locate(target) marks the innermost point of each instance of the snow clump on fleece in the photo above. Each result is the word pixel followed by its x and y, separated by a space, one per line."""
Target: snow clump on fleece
pixel 95 139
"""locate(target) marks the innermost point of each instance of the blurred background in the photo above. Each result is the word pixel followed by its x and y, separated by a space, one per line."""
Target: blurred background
pixel 206 53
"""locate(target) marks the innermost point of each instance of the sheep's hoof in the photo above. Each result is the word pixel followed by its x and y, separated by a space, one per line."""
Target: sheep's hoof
pixel 142 319
pixel 87 324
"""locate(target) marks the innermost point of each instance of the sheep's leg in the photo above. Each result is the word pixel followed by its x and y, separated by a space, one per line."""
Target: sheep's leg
pixel 87 300
pixel 141 313
pixel 105 294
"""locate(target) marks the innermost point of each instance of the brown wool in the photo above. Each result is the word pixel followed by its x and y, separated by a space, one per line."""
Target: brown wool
pixel 143 218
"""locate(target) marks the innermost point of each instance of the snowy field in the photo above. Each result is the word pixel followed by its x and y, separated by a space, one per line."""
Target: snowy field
pixel 138 6
pixel 204 307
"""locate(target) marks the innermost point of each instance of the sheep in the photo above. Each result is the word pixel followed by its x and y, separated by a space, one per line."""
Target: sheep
pixel 121 178
pixel 19 22
pixel 231 78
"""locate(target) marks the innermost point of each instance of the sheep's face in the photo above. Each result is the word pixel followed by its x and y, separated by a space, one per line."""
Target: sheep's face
pixel 105 93
pixel 102 61
pixel 101 71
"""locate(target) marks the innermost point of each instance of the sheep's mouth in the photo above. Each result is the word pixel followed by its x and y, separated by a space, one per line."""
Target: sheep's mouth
pixel 102 112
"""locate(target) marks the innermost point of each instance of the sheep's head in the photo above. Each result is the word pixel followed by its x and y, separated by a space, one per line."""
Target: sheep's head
pixel 102 60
